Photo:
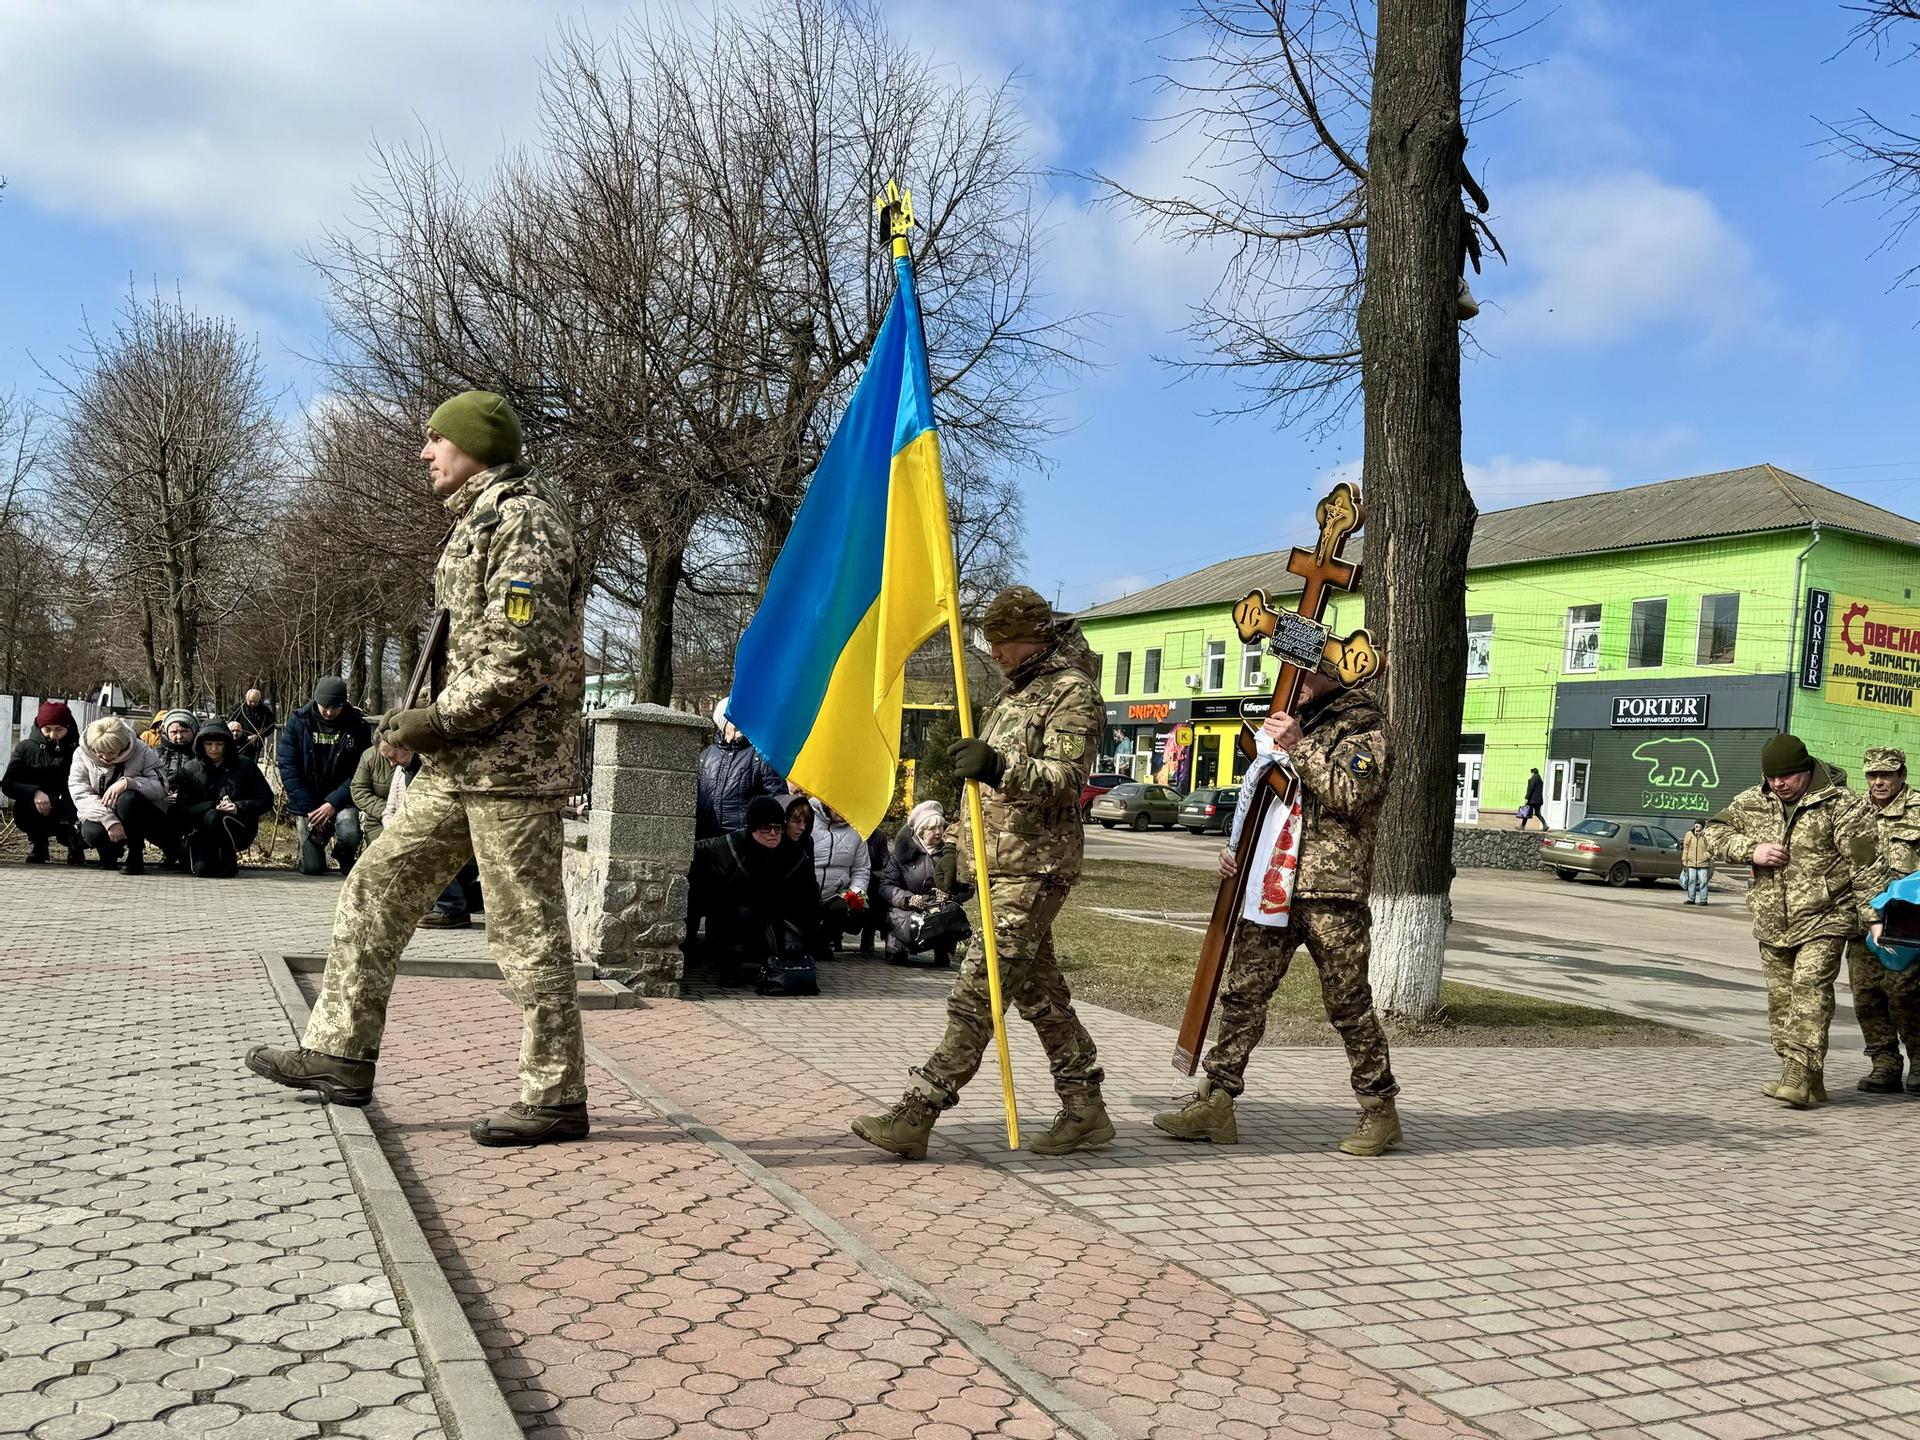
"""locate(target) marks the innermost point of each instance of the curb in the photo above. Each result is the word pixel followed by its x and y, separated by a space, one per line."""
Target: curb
pixel 436 969
pixel 1074 1418
pixel 458 1376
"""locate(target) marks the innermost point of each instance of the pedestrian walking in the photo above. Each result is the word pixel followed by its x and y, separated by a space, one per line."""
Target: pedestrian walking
pixel 1696 864
pixel 1535 803
pixel 1887 1002
pixel 1031 759
pixel 1815 855
pixel 1337 746
pixel 499 737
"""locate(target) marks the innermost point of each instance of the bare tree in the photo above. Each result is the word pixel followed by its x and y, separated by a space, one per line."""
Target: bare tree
pixel 166 439
pixel 1329 139
pixel 677 285
pixel 1888 154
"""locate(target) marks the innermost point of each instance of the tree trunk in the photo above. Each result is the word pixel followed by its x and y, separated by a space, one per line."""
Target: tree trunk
pixel 377 670
pixel 1419 514
pixel 357 669
pixel 666 568
pixel 410 642
pixel 156 672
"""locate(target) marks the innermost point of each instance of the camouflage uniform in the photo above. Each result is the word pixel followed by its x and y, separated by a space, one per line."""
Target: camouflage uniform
pixel 1342 764
pixel 507 696
pixel 1887 1002
pixel 1047 731
pixel 1805 911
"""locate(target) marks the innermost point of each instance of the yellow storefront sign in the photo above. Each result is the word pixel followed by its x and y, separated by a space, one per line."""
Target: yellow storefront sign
pixel 1873 659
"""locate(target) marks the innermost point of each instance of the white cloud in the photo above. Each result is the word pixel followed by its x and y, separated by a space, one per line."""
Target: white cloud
pixel 1610 256
pixel 1506 481
pixel 1102 591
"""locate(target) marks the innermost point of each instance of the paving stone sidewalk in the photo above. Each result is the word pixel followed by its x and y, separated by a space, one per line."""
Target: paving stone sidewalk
pixel 179 1251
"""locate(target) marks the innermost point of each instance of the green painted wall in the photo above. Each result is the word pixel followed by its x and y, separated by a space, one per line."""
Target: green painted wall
pixel 1876 571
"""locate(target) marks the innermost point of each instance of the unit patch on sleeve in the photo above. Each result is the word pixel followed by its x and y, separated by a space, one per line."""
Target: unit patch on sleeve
pixel 1067 746
pixel 1361 763
pixel 520 601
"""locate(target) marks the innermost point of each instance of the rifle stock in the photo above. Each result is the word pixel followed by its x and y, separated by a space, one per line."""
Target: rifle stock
pixel 429 652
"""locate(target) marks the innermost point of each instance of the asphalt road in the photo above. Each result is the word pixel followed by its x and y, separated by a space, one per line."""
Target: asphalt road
pixel 1641 949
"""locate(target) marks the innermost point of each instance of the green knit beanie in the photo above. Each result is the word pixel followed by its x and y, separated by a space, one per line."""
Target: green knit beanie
pixel 1784 755
pixel 480 423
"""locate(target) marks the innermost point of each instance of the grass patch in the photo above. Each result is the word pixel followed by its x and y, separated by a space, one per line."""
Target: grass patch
pixel 1144 970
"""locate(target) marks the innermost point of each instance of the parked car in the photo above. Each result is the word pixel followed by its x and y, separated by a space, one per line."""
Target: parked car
pixel 1206 810
pixel 1138 806
pixel 1096 786
pixel 1613 850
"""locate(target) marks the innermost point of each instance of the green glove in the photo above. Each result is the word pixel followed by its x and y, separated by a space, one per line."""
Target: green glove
pixel 417 730
pixel 976 760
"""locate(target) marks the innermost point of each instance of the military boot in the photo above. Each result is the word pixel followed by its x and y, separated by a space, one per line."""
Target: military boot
pixel 339 1081
pixel 531 1125
pixel 1795 1089
pixel 1082 1124
pixel 904 1129
pixel 1378 1130
pixel 1884 1078
pixel 1208 1115
pixel 1817 1086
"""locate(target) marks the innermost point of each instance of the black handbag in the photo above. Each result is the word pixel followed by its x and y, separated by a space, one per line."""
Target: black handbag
pixel 944 924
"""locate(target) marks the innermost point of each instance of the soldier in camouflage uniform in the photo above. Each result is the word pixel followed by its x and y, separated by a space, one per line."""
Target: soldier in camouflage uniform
pixel 1887 1002
pixel 1031 759
pixel 1338 747
pixel 499 744
pixel 1814 852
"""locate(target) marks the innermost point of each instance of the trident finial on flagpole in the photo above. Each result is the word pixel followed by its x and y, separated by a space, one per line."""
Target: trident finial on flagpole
pixel 896 216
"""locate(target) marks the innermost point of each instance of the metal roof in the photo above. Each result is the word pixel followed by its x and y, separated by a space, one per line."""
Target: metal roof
pixel 1750 501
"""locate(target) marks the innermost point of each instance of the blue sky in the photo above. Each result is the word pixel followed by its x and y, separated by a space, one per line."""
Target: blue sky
pixel 1686 293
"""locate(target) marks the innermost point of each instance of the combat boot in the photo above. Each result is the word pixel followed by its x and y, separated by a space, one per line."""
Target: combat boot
pixel 532 1125
pixel 1795 1089
pixel 1378 1130
pixel 1817 1086
pixel 904 1129
pixel 1208 1115
pixel 1884 1078
pixel 1082 1124
pixel 339 1081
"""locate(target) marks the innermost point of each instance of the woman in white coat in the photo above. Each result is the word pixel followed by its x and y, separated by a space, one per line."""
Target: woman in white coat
pixel 119 792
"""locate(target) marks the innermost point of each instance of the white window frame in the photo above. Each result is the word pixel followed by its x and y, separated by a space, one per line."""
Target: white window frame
pixel 1633 623
pixel 1575 629
pixel 1215 673
pixel 1700 631
pixel 1486 653
pixel 1253 673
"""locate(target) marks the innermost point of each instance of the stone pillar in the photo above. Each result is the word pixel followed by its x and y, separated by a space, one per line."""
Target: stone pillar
pixel 626 868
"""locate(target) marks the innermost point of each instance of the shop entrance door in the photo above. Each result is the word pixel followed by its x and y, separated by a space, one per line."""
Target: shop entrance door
pixel 1206 765
pixel 1566 793
pixel 1466 789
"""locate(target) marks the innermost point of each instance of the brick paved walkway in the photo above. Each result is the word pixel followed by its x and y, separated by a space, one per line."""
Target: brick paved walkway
pixel 179 1251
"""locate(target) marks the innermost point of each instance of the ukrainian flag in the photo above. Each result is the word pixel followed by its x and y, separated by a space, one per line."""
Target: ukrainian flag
pixel 866 576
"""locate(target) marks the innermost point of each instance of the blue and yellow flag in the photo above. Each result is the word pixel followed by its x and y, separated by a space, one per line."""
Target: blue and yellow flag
pixel 866 576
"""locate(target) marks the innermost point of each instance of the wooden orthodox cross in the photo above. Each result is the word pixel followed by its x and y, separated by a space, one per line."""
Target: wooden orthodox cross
pixel 1300 639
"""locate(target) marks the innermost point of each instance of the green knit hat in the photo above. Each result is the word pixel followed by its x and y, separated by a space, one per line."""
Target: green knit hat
pixel 480 423
pixel 1784 755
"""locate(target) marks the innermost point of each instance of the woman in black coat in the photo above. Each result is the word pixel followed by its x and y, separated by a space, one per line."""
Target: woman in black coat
pixel 918 875
pixel 222 796
pixel 752 888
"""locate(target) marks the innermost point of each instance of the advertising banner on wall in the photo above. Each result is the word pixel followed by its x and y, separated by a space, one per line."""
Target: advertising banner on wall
pixel 1873 655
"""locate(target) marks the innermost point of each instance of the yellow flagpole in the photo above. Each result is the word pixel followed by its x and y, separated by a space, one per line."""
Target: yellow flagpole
pixel 896 209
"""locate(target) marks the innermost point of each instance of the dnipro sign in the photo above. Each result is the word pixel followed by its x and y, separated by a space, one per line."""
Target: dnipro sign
pixel 1150 712
pixel 1675 712
pixel 1876 665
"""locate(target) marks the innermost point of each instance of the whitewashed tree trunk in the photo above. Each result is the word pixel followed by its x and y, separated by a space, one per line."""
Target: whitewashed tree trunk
pixel 1409 951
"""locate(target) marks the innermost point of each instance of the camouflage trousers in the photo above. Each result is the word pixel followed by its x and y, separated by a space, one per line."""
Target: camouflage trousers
pixel 1338 935
pixel 517 841
pixel 1800 996
pixel 1886 1002
pixel 1024 909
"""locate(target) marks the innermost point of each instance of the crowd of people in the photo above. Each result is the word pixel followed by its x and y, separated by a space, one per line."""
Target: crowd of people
pixel 780 881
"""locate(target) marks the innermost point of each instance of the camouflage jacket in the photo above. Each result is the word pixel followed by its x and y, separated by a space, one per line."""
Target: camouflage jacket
pixel 1899 824
pixel 1832 859
pixel 509 687
pixel 1342 765
pixel 1046 730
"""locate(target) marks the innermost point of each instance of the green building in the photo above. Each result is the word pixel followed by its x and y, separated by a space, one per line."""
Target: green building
pixel 1636 646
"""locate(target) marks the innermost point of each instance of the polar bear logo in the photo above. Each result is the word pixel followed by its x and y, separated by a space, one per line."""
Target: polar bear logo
pixel 1679 762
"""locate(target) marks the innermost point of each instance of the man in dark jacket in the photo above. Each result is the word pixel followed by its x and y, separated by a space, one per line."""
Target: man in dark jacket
pixel 221 796
pixel 320 745
pixel 256 720
pixel 732 772
pixel 36 782
pixel 752 888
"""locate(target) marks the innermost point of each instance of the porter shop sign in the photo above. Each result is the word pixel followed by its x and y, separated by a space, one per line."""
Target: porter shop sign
pixel 1669 712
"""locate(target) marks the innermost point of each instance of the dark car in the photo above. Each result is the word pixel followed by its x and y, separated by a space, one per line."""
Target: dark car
pixel 1210 810
pixel 1096 786
pixel 1138 806
pixel 1613 850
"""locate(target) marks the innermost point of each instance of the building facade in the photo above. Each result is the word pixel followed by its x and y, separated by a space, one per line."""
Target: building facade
pixel 1636 647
